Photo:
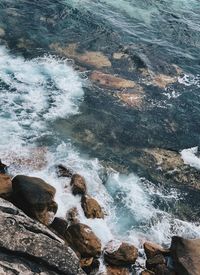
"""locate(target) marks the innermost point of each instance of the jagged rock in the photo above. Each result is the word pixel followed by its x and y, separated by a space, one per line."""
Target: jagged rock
pixel 82 239
pixel 63 171
pixel 120 254
pixel 90 267
pixel 73 216
pixel 152 249
pixel 3 168
pixel 186 256
pixel 35 197
pixel 115 270
pixel 25 244
pixel 78 185
pixel 91 208
pixel 59 226
pixel 5 186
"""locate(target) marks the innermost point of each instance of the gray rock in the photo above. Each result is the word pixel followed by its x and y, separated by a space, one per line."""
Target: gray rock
pixel 28 247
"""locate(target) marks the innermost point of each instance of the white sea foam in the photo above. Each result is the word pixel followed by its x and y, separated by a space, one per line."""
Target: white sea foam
pixel 190 157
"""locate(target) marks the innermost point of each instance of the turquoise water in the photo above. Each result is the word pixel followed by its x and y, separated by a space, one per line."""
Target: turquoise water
pixel 46 102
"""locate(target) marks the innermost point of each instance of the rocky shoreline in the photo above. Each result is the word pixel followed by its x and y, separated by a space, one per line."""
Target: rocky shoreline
pixel 34 241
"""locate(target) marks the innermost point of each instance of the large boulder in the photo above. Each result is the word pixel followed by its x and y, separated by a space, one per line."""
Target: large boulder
pixel 78 185
pixel 28 247
pixel 120 254
pixel 82 239
pixel 91 208
pixel 35 197
pixel 186 255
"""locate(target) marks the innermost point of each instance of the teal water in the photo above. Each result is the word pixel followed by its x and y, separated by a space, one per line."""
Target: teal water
pixel 46 102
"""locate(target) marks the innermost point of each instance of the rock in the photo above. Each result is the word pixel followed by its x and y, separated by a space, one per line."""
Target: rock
pixel 186 256
pixel 35 197
pixel 5 186
pixel 111 81
pixel 73 216
pixel 90 267
pixel 134 99
pixel 28 247
pixel 152 249
pixel 156 260
pixel 88 58
pixel 82 239
pixel 59 226
pixel 63 171
pixel 113 270
pixel 2 32
pixel 120 254
pixel 3 168
pixel 162 81
pixel 78 185
pixel 91 208
pixel 147 272
pixel 161 269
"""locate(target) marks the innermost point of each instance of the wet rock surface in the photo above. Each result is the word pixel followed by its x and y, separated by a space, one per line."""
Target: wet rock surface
pixel 35 197
pixel 123 254
pixel 78 185
pixel 186 255
pixel 91 208
pixel 26 245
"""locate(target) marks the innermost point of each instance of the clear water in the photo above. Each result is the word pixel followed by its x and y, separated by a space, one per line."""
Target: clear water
pixel 46 103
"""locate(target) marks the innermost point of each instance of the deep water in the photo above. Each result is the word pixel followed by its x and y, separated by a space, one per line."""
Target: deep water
pixel 46 102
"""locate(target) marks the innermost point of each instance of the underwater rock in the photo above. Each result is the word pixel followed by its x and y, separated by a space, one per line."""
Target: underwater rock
pixel 5 186
pixel 28 247
pixel 134 99
pixel 91 208
pixel 82 239
pixel 89 58
pixel 35 197
pixel 120 254
pixel 186 255
pixel 152 249
pixel 2 32
pixel 78 185
pixel 111 82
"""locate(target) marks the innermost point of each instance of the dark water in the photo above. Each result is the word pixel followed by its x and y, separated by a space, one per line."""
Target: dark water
pixel 45 103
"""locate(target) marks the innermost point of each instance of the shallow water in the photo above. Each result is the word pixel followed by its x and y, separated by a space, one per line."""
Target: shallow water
pixel 47 103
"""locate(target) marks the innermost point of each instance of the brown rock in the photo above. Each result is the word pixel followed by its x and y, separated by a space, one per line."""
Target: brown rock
pixel 163 81
pixel 91 208
pixel 5 186
pixel 134 99
pixel 120 254
pixel 63 171
pixel 111 81
pixel 156 260
pixel 113 270
pixel 152 249
pixel 59 225
pixel 90 58
pixel 78 185
pixel 90 267
pixel 35 197
pixel 162 269
pixel 82 239
pixel 186 255
pixel 72 215
pixel 147 272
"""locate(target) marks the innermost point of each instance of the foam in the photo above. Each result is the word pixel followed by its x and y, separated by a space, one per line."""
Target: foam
pixel 190 158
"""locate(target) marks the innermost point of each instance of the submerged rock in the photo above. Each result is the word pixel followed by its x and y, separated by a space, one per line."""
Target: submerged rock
pixel 91 208
pixel 186 256
pixel 2 32
pixel 111 81
pixel 28 247
pixel 82 239
pixel 35 197
pixel 78 185
pixel 120 254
